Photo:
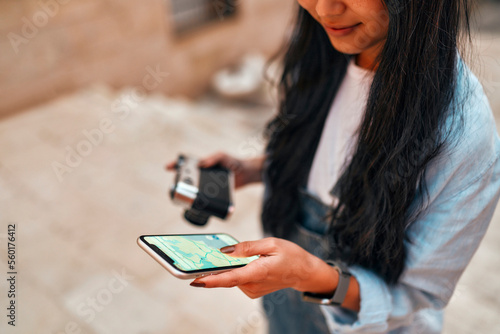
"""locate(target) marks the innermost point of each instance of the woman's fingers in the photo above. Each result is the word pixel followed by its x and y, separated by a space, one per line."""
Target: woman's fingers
pixel 255 290
pixel 214 159
pixel 228 279
pixel 282 264
pixel 235 277
pixel 264 247
pixel 171 165
pixel 222 159
pixel 256 271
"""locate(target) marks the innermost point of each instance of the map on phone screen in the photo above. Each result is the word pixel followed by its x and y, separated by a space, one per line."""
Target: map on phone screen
pixel 195 252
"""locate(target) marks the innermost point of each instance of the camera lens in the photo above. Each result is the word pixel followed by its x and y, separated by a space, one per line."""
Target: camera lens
pixel 196 217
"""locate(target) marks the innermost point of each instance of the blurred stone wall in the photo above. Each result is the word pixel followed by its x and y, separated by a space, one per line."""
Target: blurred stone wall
pixel 51 47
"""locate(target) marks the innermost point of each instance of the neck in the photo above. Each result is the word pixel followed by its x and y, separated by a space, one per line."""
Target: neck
pixel 368 59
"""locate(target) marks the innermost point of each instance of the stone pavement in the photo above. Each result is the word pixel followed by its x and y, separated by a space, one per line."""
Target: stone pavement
pixel 79 268
pixel 78 262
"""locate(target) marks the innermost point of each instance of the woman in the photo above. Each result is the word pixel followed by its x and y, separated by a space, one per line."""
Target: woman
pixel 384 158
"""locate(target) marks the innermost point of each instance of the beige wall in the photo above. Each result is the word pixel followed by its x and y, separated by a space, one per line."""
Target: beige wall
pixel 50 47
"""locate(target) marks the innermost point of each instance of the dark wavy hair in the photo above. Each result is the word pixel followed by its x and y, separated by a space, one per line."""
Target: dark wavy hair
pixel 402 131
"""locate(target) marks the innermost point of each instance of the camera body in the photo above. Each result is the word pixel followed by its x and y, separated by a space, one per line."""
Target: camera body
pixel 204 192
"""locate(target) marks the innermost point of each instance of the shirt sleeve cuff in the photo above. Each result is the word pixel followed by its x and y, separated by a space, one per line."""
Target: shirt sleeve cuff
pixel 375 306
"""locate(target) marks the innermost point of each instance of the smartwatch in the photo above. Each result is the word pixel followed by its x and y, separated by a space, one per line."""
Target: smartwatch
pixel 339 295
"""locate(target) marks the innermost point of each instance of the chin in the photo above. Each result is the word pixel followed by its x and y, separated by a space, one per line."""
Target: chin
pixel 345 48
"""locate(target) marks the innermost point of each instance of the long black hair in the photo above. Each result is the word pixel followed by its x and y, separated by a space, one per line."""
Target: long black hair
pixel 402 131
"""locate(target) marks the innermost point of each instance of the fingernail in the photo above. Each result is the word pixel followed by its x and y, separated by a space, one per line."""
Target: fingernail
pixel 198 284
pixel 227 249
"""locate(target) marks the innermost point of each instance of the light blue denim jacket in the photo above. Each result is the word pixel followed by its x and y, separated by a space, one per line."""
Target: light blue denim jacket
pixel 463 189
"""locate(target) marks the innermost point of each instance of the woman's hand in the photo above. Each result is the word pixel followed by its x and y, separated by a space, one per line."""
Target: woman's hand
pixel 245 171
pixel 282 264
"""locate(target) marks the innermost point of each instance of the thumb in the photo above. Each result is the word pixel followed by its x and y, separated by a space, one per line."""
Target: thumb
pixel 266 246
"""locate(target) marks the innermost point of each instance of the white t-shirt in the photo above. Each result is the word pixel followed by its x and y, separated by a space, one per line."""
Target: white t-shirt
pixel 340 131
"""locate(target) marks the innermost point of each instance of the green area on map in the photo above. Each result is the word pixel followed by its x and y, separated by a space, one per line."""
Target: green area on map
pixel 194 252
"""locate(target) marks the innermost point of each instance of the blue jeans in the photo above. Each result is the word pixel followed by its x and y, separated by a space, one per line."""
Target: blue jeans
pixel 285 310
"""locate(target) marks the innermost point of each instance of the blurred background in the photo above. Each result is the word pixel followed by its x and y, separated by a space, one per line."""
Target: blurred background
pixel 95 98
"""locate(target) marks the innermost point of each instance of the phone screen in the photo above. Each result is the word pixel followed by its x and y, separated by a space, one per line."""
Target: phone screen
pixel 197 252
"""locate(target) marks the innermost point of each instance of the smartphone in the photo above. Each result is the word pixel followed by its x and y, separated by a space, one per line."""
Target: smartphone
pixel 188 256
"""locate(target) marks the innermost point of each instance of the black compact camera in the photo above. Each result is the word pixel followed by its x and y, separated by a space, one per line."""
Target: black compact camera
pixel 204 192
